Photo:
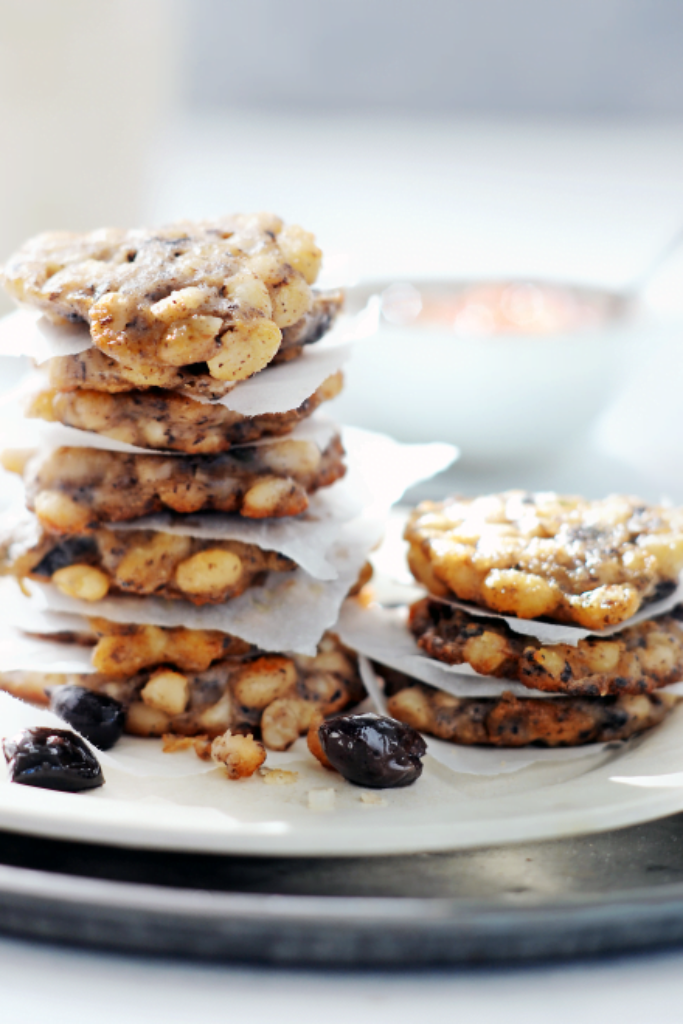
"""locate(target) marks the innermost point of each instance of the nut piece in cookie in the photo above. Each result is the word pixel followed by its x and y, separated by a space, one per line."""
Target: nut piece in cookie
pixel 639 659
pixel 592 563
pixel 218 293
pixel 72 490
pixel 509 721
pixel 171 422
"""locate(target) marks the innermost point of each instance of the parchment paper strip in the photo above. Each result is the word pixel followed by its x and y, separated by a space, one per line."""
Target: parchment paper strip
pixel 30 654
pixel 284 387
pixel 27 333
pixel 558 633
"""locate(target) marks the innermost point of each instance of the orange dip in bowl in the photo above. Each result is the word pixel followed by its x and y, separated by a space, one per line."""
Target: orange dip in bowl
pixel 505 308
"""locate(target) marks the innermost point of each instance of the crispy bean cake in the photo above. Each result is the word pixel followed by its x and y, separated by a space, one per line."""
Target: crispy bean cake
pixel 72 490
pixel 509 721
pixel 93 370
pixel 590 563
pixel 200 683
pixel 140 562
pixel 165 420
pixel 190 300
pixel 638 659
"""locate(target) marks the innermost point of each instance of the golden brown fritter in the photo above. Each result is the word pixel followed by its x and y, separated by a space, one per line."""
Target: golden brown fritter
pixel 638 659
pixel 214 292
pixel 592 563
pixel 509 721
pixel 140 562
pixel 95 371
pixel 124 649
pixel 269 695
pixel 167 421
pixel 73 490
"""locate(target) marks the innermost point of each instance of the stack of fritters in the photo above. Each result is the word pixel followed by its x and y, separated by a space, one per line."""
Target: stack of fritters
pixel 588 564
pixel 174 319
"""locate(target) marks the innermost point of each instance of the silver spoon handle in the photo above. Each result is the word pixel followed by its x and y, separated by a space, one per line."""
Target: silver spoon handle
pixel 641 281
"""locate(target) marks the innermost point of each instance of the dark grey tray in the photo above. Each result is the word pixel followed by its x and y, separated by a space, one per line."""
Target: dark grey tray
pixel 611 892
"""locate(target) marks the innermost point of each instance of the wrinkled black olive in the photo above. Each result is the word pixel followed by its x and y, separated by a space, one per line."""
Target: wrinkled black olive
pixel 373 751
pixel 52 759
pixel 97 717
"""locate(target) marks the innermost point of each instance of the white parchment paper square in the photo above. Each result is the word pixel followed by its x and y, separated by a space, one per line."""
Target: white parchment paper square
pixel 27 333
pixel 559 633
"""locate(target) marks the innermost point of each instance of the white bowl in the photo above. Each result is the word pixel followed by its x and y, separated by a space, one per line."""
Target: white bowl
pixel 498 397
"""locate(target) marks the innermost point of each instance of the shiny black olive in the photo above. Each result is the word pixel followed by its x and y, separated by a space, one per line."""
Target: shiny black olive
pixel 373 751
pixel 97 717
pixel 52 759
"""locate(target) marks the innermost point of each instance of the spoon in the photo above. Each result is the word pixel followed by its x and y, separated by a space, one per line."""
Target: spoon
pixel 645 277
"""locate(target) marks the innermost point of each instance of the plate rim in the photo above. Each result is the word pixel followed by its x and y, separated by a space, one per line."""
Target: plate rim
pixel 330 930
pixel 250 838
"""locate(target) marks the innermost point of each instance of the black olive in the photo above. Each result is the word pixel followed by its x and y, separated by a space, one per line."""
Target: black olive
pixel 99 718
pixel 373 751
pixel 52 759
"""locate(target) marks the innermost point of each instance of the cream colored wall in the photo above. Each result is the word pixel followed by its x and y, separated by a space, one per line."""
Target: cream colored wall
pixel 85 86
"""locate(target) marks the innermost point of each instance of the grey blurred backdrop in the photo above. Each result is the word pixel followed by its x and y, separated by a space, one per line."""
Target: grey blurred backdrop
pixel 491 57
pixel 130 109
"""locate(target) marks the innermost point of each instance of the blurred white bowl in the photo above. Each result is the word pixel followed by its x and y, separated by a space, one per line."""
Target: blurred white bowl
pixel 499 396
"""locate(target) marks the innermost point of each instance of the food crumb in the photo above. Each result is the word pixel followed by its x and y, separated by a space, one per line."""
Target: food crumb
pixel 366 596
pixel 321 799
pixel 373 800
pixel 172 744
pixel 201 745
pixel 240 755
pixel 278 777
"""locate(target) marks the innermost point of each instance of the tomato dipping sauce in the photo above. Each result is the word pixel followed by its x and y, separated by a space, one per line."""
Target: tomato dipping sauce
pixel 505 308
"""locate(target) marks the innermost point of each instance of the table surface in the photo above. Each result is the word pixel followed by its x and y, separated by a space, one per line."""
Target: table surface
pixel 592 202
pixel 110 989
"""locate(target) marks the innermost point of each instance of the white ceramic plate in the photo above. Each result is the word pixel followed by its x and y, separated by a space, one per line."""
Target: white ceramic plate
pixel 637 782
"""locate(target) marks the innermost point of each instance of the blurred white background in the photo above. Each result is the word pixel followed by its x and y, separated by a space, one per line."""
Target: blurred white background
pixel 446 138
